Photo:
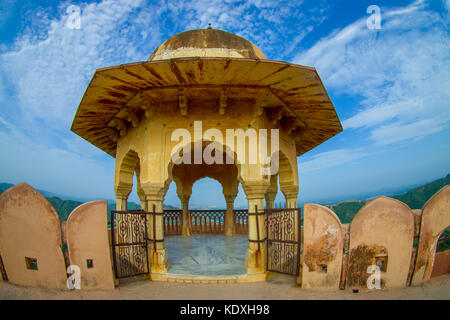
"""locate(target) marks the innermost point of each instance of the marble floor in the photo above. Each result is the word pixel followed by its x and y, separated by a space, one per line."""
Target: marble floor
pixel 206 255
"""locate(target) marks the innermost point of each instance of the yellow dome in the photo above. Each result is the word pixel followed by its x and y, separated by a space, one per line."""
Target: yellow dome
pixel 206 43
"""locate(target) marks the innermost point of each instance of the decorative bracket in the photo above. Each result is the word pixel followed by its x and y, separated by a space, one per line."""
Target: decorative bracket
pixel 133 118
pixel 276 115
pixel 288 124
pixel 112 133
pixel 222 103
pixel 261 102
pixel 298 132
pixel 148 103
pixel 183 102
pixel 119 125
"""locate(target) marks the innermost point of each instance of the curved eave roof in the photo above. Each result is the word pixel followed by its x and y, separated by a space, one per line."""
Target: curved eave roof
pixel 298 87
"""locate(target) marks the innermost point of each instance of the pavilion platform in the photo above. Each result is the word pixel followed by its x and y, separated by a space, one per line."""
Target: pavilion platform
pixel 207 259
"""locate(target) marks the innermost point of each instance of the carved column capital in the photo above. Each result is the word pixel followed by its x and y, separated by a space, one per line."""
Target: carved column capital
pixel 154 191
pixel 255 189
pixel 123 191
pixel 184 198
pixel 270 196
pixel 290 192
pixel 229 198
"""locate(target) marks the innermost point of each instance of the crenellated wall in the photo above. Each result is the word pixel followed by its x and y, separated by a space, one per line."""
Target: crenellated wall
pixel 33 241
pixel 334 256
pixel 88 244
pixel 30 239
pixel 381 233
pixel 323 246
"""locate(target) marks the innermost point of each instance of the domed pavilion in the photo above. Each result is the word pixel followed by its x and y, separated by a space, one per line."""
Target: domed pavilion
pixel 205 82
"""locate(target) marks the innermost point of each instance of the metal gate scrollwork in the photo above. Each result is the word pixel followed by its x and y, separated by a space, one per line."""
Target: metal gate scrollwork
pixel 283 240
pixel 129 243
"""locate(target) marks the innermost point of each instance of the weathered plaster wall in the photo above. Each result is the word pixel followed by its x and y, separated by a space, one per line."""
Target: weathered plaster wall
pixel 87 237
pixel 30 227
pixel 384 226
pixel 323 243
pixel 435 219
pixel 441 263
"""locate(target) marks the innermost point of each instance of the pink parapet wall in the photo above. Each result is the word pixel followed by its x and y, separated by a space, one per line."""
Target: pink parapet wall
pixel 382 232
pixel 88 244
pixel 31 242
pixel 323 246
pixel 334 255
pixel 30 239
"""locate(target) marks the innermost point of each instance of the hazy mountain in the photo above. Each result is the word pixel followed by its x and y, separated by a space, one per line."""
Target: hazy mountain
pixel 65 207
pixel 345 210
pixel 415 199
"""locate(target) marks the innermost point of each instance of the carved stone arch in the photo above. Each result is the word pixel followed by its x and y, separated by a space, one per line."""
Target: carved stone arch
pixel 228 153
pixel 287 176
pixel 212 177
pixel 126 168
pixel 123 184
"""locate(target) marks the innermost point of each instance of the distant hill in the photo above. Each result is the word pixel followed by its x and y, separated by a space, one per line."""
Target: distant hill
pixel 345 210
pixel 65 207
pixel 415 199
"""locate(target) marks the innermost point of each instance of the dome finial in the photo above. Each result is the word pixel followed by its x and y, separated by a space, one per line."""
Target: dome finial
pixel 209 26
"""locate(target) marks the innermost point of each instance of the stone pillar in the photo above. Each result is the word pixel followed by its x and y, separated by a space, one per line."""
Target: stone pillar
pixel 290 194
pixel 155 227
pixel 255 259
pixel 229 216
pixel 270 199
pixel 141 195
pixel 122 194
pixel 271 192
pixel 185 207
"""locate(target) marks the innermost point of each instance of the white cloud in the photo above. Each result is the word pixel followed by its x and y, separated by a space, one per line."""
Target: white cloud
pixel 48 67
pixel 50 75
pixel 402 72
pixel 50 168
pixel 334 158
pixel 270 24
pixel 446 5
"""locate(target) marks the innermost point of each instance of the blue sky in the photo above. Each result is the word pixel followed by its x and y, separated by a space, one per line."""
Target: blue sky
pixel 390 87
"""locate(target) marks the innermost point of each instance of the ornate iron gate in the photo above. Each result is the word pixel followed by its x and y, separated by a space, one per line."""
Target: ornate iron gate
pixel 129 243
pixel 283 240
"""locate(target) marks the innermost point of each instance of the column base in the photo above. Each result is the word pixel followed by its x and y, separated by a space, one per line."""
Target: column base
pixel 255 261
pixel 185 232
pixel 159 263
